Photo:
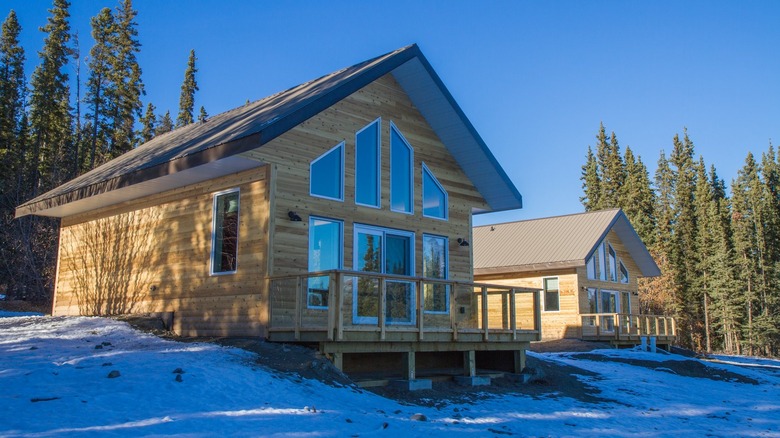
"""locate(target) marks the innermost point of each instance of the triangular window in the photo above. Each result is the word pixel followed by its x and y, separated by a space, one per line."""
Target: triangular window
pixel 434 196
pixel 327 174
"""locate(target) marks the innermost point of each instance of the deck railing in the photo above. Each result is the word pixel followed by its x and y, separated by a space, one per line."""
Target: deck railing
pixel 340 302
pixel 620 326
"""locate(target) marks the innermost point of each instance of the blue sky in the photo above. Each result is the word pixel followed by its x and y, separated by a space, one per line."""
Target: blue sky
pixel 535 78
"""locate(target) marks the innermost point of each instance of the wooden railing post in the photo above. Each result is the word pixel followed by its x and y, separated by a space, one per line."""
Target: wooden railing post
pixel 339 306
pixel 538 314
pixel 298 307
pixel 382 304
pixel 512 314
pixel 485 321
pixel 420 308
pixel 331 306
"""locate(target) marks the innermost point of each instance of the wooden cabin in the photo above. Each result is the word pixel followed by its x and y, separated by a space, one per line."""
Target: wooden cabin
pixel 586 266
pixel 337 213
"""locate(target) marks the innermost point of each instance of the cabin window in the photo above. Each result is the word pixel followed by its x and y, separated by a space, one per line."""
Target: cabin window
pixel 593 301
pixel 612 263
pixel 435 266
pixel 327 174
pixel 551 295
pixel 401 161
pixel 434 196
pixel 325 253
pixel 224 235
pixel 591 267
pixel 625 302
pixel 367 165
pixel 383 251
pixel 623 273
pixel 602 263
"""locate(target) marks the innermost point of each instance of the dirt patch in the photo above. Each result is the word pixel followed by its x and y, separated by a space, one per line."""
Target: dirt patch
pixel 686 368
pixel 551 380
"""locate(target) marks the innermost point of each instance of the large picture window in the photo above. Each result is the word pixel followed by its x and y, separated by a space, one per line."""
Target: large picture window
pixel 401 162
pixel 325 253
pixel 434 196
pixel 367 165
pixel 435 266
pixel 552 302
pixel 327 174
pixel 224 234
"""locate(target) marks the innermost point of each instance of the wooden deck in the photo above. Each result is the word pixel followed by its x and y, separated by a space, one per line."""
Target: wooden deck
pixel 628 329
pixel 350 312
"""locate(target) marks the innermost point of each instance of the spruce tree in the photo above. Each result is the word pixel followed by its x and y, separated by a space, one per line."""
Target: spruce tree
pixel 100 89
pixel 187 96
pixel 50 118
pixel 591 182
pixel 126 77
pixel 202 115
pixel 638 198
pixel 165 124
pixel 148 123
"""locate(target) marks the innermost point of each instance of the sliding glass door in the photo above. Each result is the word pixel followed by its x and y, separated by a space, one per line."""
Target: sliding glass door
pixel 383 251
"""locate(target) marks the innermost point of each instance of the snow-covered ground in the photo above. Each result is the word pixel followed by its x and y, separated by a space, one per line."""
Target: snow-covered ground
pixel 54 381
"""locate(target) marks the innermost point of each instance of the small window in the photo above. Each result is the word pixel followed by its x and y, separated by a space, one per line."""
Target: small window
pixel 224 235
pixel 401 162
pixel 367 165
pixel 325 242
pixel 434 196
pixel 623 273
pixel 327 174
pixel 591 267
pixel 625 302
pixel 612 264
pixel 551 295
pixel 435 266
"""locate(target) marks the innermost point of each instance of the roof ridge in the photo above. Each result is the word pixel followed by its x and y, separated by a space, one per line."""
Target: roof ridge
pixel 582 213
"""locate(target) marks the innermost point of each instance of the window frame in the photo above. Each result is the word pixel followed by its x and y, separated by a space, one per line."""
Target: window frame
pixel 340 222
pixel 446 273
pixel 544 294
pixel 341 145
pixel 602 262
pixel 378 181
pixel 623 272
pixel 426 169
pixel 394 128
pixel 212 257
pixel 612 269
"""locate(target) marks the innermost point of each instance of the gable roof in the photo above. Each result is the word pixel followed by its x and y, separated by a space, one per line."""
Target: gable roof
pixel 555 242
pixel 206 150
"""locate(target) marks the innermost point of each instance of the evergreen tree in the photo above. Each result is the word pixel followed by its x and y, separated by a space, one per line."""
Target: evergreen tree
pixel 165 124
pixel 203 115
pixel 591 182
pixel 100 89
pixel 126 77
pixel 638 198
pixel 613 173
pixel 187 97
pixel 148 123
pixel 50 118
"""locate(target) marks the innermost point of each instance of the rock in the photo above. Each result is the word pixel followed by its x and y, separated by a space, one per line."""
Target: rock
pixel 178 378
pixel 532 375
pixel 385 425
pixel 113 374
pixel 418 417
pixel 349 421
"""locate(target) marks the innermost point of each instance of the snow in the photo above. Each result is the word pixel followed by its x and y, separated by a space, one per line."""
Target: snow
pixel 53 381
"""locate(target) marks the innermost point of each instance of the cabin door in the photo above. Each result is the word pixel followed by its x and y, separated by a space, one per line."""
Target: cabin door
pixel 383 251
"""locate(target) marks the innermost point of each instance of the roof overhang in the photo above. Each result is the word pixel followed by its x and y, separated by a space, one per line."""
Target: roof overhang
pixel 633 244
pixel 535 267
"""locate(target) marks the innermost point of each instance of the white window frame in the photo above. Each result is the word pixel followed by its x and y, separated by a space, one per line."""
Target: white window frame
pixel 602 262
pixel 446 273
pixel 426 169
pixel 341 173
pixel 411 170
pixel 340 257
pixel 544 294
pixel 378 122
pixel 212 259
pixel 612 268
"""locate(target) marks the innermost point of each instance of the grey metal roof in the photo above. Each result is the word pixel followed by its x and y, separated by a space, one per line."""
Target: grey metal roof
pixel 554 242
pixel 202 151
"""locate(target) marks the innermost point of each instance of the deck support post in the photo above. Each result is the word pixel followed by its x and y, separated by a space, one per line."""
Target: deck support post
pixel 409 371
pixel 338 361
pixel 519 361
pixel 469 363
